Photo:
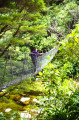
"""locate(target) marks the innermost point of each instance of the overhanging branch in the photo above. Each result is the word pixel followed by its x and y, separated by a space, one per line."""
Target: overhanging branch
pixel 9 43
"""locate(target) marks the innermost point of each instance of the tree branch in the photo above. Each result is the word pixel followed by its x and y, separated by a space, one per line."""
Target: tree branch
pixel 9 43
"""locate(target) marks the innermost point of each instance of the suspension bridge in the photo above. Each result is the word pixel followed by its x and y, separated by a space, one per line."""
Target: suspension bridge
pixel 13 71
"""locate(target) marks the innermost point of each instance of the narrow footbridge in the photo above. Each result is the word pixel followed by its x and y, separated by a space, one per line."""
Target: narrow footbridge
pixel 14 71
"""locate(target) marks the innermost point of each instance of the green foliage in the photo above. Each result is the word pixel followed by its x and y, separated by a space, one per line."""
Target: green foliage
pixel 70 51
pixel 61 100
pixel 67 109
pixel 30 24
pixel 18 19
pixel 63 18
pixel 7 116
pixel 27 23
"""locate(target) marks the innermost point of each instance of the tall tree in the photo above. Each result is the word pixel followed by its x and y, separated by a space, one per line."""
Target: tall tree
pixel 17 18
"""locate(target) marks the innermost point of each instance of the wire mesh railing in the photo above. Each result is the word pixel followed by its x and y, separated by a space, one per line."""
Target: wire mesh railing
pixel 13 71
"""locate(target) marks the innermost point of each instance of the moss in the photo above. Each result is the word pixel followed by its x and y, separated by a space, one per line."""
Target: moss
pixel 26 88
pixel 11 105
pixel 15 97
pixel 4 99
pixel 9 116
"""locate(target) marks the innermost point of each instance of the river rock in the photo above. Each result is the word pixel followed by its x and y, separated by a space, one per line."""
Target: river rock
pixel 3 92
pixel 35 101
pixel 8 110
pixel 25 100
pixel 35 112
pixel 25 115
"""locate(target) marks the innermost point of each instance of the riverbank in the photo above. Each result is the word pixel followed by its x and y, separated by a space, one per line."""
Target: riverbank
pixel 22 99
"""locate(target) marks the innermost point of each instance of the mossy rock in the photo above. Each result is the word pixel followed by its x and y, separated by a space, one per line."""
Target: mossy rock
pixel 33 92
pixel 15 97
pixel 25 100
pixel 11 105
pixel 2 94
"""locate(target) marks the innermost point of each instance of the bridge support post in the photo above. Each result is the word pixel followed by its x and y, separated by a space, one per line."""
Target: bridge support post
pixel 4 72
pixel 11 65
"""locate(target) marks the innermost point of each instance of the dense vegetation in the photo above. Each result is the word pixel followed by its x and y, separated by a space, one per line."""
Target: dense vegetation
pixel 44 24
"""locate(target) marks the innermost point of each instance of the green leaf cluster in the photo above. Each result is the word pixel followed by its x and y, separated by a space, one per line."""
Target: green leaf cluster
pixel 61 100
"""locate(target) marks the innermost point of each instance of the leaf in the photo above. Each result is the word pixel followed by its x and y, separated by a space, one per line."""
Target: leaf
pixel 40 73
pixel 76 39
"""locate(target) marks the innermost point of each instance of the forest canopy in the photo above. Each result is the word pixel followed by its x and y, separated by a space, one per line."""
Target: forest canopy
pixel 26 24
pixel 35 22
